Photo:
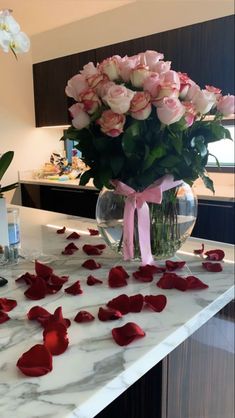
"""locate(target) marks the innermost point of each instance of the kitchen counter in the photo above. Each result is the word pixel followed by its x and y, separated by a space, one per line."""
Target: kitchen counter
pixel 94 370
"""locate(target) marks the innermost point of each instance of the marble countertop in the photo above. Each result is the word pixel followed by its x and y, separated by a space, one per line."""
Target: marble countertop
pixel 94 370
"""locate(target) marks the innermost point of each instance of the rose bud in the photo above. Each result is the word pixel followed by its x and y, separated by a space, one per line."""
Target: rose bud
pixel 111 123
pixel 80 118
pixel 140 105
pixel 226 105
pixel 138 75
pixel 170 111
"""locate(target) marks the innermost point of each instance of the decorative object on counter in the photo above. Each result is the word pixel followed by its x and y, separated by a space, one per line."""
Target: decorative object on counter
pixel 143 130
pixel 11 37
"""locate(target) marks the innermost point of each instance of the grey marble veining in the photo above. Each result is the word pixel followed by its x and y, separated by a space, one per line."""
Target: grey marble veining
pixel 94 370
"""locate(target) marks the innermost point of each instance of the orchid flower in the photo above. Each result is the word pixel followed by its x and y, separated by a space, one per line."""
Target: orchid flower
pixel 11 37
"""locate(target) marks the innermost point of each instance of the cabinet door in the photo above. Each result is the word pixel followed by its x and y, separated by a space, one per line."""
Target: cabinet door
pixel 215 221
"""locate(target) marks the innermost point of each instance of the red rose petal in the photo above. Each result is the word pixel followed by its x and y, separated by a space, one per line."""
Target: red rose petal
pixel 27 278
pixel 7 304
pixel 213 267
pixel 100 246
pixel 200 250
pixel 38 312
pixel 173 265
pixel 58 280
pixel 195 283
pixel 127 333
pixel 143 276
pixel 55 338
pixel 116 277
pixel 91 250
pixel 91 264
pixel 73 235
pixel 136 302
pixel 91 281
pixel 53 288
pixel 37 290
pixel 181 284
pixel 121 303
pixel 58 317
pixel 67 252
pixel 35 362
pixel 156 302
pixel 148 268
pixel 167 281
pixel 70 249
pixel 61 231
pixel 3 317
pixel 123 272
pixel 215 255
pixel 43 270
pixel 84 316
pixel 93 231
pixel 108 314
pixel 74 289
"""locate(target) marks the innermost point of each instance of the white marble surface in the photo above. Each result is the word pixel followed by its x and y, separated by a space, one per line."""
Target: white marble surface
pixel 94 370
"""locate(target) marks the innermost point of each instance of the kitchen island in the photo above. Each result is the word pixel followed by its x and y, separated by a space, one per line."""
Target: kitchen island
pixel 94 370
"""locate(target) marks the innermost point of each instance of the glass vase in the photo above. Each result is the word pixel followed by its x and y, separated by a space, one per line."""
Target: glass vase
pixel 171 222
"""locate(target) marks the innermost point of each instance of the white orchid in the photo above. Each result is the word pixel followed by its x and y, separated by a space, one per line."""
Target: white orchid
pixel 11 37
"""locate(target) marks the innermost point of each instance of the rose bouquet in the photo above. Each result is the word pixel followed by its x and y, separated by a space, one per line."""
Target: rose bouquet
pixel 138 122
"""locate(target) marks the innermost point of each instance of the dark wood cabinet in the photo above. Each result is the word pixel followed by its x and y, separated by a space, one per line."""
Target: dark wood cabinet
pixel 215 221
pixel 78 202
pixel 204 50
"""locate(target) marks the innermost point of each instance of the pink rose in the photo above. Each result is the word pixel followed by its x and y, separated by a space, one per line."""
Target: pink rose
pixel 192 91
pixel 226 105
pixel 119 98
pixel 127 64
pixel 90 101
pixel 185 83
pixel 150 58
pixel 162 67
pixel 95 80
pixel 89 70
pixel 75 86
pixel 110 67
pixel 190 113
pixel 80 118
pixel 213 89
pixel 111 123
pixel 203 101
pixel 140 105
pixel 103 87
pixel 170 79
pixel 138 75
pixel 170 111
pixel 152 84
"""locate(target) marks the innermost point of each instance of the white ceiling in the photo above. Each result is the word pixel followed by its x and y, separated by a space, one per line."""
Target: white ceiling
pixel 36 16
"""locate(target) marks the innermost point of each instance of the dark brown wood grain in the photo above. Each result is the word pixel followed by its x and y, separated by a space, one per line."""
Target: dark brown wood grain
pixel 204 50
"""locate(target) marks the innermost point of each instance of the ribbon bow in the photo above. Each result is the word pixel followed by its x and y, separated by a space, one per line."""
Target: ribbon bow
pixel 138 201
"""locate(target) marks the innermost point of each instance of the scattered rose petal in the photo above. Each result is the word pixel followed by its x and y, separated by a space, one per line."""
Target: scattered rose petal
pixel 100 246
pixel 35 362
pixel 3 317
pixel 42 270
pixel 136 302
pixel 121 303
pixel 116 277
pixel 195 283
pixel 38 312
pixel 70 249
pixel 74 289
pixel 143 276
pixel 37 290
pixel 93 231
pixel 127 333
pixel 152 269
pixel 53 288
pixel 27 278
pixel 3 281
pixel 167 281
pixel 173 265
pixel 91 249
pixel 91 281
pixel 91 264
pixel 67 252
pixel 213 267
pixel 107 314
pixel 73 235
pixel 215 255
pixel 156 302
pixel 123 272
pixel 58 280
pixel 84 316
pixel 7 304
pixel 200 250
pixel 55 338
pixel 58 317
pixel 61 230
pixel 180 284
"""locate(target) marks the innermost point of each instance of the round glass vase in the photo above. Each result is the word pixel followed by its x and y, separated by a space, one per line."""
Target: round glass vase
pixel 171 222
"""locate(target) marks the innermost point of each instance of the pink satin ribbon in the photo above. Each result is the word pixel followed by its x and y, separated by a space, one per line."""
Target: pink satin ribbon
pixel 138 201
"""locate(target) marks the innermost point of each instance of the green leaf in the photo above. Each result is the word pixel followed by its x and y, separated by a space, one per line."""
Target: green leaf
pixel 116 163
pixel 207 182
pixel 5 161
pixel 155 154
pixel 199 144
pixel 169 161
pixel 129 139
pixel 216 159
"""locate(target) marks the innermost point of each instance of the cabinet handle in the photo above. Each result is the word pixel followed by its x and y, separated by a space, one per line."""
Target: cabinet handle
pixel 215 205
